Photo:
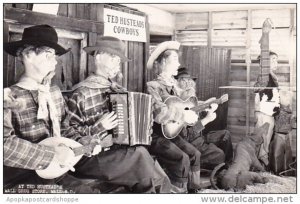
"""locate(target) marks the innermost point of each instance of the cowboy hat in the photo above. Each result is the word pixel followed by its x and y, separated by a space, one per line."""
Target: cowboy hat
pixel 167 45
pixel 108 44
pixel 183 73
pixel 39 35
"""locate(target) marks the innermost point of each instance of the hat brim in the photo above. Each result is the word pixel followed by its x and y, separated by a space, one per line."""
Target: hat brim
pixel 12 47
pixel 90 50
pixel 168 45
pixel 186 76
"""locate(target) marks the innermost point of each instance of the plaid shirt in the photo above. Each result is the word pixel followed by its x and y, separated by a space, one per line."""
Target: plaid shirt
pixel 160 91
pixel 23 131
pixel 86 106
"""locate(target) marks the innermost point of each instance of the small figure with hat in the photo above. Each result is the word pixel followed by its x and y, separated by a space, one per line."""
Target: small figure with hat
pixel 215 146
pixel 89 115
pixel 34 110
pixel 186 82
pixel 179 157
pixel 273 106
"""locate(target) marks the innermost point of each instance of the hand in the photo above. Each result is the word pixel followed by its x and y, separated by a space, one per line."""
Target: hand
pixel 190 116
pixel 210 100
pixel 175 114
pixel 88 140
pixel 64 154
pixel 97 149
pixel 211 116
pixel 109 120
pixel 107 141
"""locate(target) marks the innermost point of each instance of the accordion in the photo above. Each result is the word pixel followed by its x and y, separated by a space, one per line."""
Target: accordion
pixel 135 120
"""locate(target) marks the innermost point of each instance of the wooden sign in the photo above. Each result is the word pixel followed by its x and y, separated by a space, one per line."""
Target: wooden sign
pixel 125 26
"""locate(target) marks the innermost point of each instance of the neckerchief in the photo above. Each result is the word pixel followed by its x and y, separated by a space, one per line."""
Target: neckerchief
pixel 99 82
pixel 45 102
pixel 170 82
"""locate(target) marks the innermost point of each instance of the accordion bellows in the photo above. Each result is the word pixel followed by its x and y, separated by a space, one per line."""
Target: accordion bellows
pixel 135 119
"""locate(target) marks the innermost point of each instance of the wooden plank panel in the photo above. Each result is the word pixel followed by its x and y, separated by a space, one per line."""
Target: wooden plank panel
pixel 72 10
pixel 209 30
pixel 80 11
pixel 194 43
pixel 240 120
pixel 87 11
pixel 146 52
pixel 211 66
pixel 83 11
pixel 131 66
pixel 138 76
pixel 92 38
pixel 93 12
pixel 191 21
pixel 280 18
pixel 229 38
pixel 34 18
pixel 63 10
pixel 242 76
pixel 192 34
pixel 282 68
pixel 140 66
pixel 5 55
pixel 192 37
pixel 124 69
pixel 8 5
pixel 238 94
pixel 11 70
pixel 24 6
pixel 83 59
pixel 19 70
pixel 233 111
pixel 279 43
pixel 13 65
pixel 238 53
pixel 100 12
pixel 68 66
pixel 237 103
pixel 239 129
pixel 62 33
pixel 229 19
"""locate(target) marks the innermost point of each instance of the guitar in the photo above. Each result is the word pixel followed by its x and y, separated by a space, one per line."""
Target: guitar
pixel 54 169
pixel 173 128
pixel 264 79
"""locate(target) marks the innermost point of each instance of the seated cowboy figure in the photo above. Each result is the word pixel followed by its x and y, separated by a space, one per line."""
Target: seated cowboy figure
pixel 33 111
pixel 180 159
pixel 215 146
pixel 89 115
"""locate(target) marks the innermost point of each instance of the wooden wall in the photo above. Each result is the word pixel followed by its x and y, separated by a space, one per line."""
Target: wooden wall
pixel 211 67
pixel 240 31
pixel 80 24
